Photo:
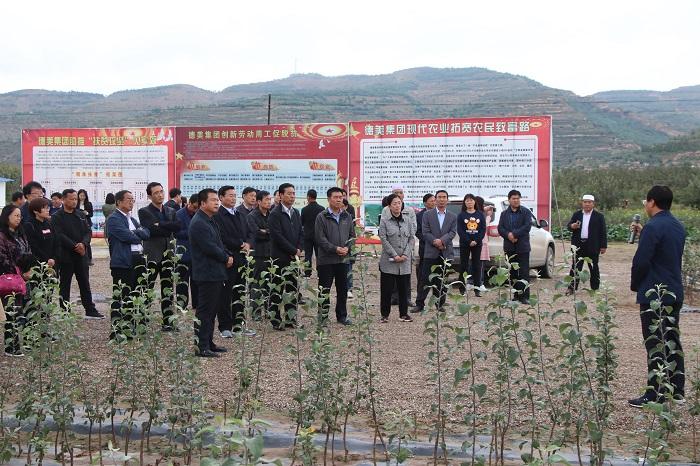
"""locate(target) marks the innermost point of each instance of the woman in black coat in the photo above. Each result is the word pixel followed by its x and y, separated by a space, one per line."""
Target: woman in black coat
pixel 15 256
pixel 40 235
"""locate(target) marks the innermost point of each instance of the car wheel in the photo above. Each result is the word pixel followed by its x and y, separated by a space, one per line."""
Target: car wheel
pixel 547 271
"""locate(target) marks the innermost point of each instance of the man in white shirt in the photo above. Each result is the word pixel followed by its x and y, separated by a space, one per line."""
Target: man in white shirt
pixel 590 237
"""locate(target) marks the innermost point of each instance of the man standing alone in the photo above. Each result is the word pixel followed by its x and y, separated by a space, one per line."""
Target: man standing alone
pixel 334 230
pixel 658 262
pixel 590 237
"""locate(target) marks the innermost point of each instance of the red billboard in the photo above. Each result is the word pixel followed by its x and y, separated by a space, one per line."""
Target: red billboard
pixel 310 156
pixel 484 156
pixel 99 160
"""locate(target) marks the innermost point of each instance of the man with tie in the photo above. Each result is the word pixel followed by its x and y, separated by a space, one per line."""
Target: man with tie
pixel 590 237
pixel 514 227
pixel 233 226
pixel 285 247
pixel 438 228
pixel 126 261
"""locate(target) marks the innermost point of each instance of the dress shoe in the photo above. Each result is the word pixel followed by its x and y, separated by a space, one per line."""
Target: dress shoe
pixel 218 349
pixel 207 354
pixel 345 322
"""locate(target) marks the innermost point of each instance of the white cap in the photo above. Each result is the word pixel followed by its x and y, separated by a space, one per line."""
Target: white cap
pixel 397 187
pixel 588 197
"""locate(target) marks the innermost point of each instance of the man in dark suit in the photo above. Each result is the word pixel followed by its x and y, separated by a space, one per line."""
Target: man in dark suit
pixel 73 235
pixel 233 226
pixel 308 221
pixel 438 228
pixel 161 222
pixel 126 261
pixel 428 203
pixel 259 240
pixel 186 286
pixel 658 262
pixel 210 261
pixel 514 227
pixel 590 237
pixel 285 247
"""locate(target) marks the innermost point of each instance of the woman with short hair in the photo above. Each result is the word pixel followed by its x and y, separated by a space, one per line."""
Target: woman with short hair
pixel 395 261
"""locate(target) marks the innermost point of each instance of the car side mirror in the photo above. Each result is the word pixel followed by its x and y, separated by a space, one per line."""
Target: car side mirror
pixel 544 223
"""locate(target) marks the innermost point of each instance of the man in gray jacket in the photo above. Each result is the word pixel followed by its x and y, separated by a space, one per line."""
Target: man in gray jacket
pixel 333 234
pixel 438 227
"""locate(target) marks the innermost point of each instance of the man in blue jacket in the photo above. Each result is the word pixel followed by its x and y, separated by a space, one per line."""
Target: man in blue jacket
pixel 126 261
pixel 210 261
pixel 514 227
pixel 658 262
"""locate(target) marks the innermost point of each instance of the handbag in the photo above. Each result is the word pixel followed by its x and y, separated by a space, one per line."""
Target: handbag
pixel 12 283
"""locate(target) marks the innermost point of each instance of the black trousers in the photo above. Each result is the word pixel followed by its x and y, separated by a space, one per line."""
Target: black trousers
pixel 309 250
pixel 186 286
pixel 577 264
pixel 521 274
pixel 211 294
pixel 470 261
pixel 286 282
pixel 437 284
pixel 327 274
pixel 231 313
pixel 77 266
pixel 387 284
pixel 125 287
pixel 16 321
pixel 164 270
pixel 670 323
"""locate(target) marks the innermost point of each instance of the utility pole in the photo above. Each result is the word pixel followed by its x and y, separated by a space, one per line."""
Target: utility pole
pixel 269 107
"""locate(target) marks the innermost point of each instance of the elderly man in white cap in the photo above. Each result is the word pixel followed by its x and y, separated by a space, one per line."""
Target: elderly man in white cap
pixel 590 237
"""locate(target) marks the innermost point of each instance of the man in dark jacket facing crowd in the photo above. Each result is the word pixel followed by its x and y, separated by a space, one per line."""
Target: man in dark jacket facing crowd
pixel 259 240
pixel 658 262
pixel 210 262
pixel 334 231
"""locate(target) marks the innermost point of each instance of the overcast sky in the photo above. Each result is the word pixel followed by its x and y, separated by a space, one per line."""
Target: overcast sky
pixel 583 46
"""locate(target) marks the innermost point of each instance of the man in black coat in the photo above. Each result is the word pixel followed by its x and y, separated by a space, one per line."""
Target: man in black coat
pixel 514 227
pixel 590 236
pixel 286 239
pixel 234 227
pixel 259 240
pixel 73 236
pixel 308 221
pixel 162 223
pixel 210 262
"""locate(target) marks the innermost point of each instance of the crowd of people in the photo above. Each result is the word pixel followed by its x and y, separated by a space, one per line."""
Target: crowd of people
pixel 214 236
